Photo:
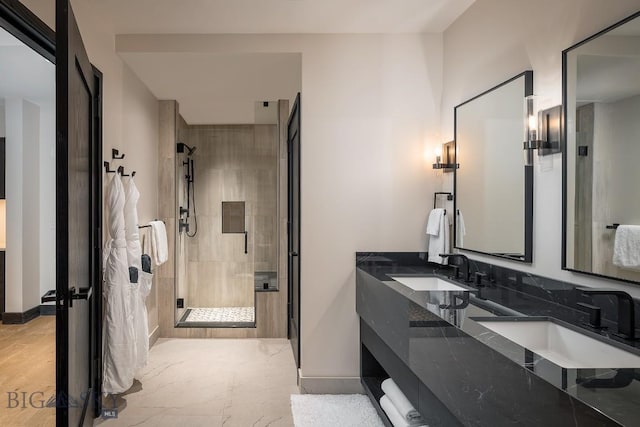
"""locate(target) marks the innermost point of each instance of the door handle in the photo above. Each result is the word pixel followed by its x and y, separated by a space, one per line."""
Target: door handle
pixel 293 253
pixel 246 243
pixel 82 293
pixel 50 296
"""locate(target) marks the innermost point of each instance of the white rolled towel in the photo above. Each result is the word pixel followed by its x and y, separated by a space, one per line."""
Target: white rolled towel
pixel 395 417
pixel 159 244
pixel 626 247
pixel 400 401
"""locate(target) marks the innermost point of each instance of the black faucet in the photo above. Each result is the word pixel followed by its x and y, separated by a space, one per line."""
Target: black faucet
pixel 626 311
pixel 465 263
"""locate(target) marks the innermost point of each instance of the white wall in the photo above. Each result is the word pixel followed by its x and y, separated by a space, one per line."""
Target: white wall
pixel 130 111
pixel 369 108
pixel 497 39
pixel 47 160
pixel 22 277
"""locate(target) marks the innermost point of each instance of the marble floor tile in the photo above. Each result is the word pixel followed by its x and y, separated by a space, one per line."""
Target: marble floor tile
pixel 212 382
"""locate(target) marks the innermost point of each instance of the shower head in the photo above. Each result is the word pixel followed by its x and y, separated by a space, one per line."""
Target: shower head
pixel 181 146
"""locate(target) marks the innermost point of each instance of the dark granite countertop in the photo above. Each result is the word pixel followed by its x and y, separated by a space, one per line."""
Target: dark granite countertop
pixel 475 371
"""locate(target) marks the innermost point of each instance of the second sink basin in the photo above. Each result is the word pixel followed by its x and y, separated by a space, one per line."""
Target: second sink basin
pixel 561 345
pixel 427 283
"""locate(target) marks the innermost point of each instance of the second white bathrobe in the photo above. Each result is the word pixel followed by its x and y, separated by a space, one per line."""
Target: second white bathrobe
pixel 119 350
pixel 140 290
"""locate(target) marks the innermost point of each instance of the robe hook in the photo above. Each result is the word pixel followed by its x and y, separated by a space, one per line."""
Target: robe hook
pixel 121 171
pixel 107 169
pixel 115 154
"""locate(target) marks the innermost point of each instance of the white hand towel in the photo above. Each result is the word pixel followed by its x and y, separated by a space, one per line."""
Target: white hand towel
pixel 460 229
pixel 626 248
pixel 439 243
pixel 159 245
pixel 397 420
pixel 433 223
pixel 400 402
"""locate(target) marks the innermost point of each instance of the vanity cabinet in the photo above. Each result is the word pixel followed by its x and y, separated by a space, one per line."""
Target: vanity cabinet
pixel 454 371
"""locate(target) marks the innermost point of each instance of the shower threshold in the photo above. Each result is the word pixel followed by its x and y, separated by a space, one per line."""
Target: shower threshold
pixel 218 317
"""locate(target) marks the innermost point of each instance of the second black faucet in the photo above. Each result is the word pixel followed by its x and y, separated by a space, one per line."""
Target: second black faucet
pixel 465 263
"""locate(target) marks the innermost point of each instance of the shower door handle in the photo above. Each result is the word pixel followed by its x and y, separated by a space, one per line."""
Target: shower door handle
pixel 246 243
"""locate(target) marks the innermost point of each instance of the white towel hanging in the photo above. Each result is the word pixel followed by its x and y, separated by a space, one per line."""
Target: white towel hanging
pixel 439 242
pixel 626 247
pixel 159 245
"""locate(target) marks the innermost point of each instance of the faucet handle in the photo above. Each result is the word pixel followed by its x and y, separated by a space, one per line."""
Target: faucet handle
pixel 456 271
pixel 595 315
pixel 478 276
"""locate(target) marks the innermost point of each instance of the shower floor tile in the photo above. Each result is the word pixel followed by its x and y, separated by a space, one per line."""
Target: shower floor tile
pixel 220 315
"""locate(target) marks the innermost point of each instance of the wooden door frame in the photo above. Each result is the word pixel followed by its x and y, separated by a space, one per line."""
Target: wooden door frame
pixel 96 315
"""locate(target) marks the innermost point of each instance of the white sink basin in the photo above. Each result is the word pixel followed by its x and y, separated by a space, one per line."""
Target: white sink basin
pixel 562 346
pixel 427 284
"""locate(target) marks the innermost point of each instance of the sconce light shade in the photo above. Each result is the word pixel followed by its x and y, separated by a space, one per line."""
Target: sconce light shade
pixel 543 130
pixel 445 157
pixel 531 130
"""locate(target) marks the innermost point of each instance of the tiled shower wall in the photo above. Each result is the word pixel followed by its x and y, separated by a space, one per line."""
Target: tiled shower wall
pixel 233 163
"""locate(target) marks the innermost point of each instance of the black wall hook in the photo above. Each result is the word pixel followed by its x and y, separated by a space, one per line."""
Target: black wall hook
pixel 121 171
pixel 115 154
pixel 133 174
pixel 106 166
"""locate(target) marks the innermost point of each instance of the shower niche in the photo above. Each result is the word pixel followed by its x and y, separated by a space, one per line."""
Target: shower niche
pixel 227 228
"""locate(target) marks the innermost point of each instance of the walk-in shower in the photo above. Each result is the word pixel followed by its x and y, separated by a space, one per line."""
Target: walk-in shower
pixel 227 228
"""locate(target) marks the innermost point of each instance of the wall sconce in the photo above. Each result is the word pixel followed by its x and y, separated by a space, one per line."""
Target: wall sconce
pixel 543 131
pixel 445 157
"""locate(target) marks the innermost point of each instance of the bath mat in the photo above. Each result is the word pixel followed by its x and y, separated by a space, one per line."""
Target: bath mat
pixel 333 410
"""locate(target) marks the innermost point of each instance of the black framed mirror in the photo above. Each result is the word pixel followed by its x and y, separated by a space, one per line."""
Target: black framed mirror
pixel 493 186
pixel 601 207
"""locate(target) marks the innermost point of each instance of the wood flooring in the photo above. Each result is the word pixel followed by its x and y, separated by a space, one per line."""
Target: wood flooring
pixel 27 373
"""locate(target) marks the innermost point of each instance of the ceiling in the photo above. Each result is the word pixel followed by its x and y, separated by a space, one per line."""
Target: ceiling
pixel 279 16
pixel 216 89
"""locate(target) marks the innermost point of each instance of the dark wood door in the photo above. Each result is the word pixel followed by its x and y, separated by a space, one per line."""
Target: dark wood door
pixel 78 183
pixel 293 145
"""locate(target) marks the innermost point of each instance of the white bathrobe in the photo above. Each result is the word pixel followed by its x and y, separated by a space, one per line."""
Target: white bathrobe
pixel 143 287
pixel 119 350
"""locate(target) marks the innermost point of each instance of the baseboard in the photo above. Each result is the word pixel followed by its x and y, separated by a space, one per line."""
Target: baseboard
pixel 20 318
pixel 330 385
pixel 153 336
pixel 47 310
